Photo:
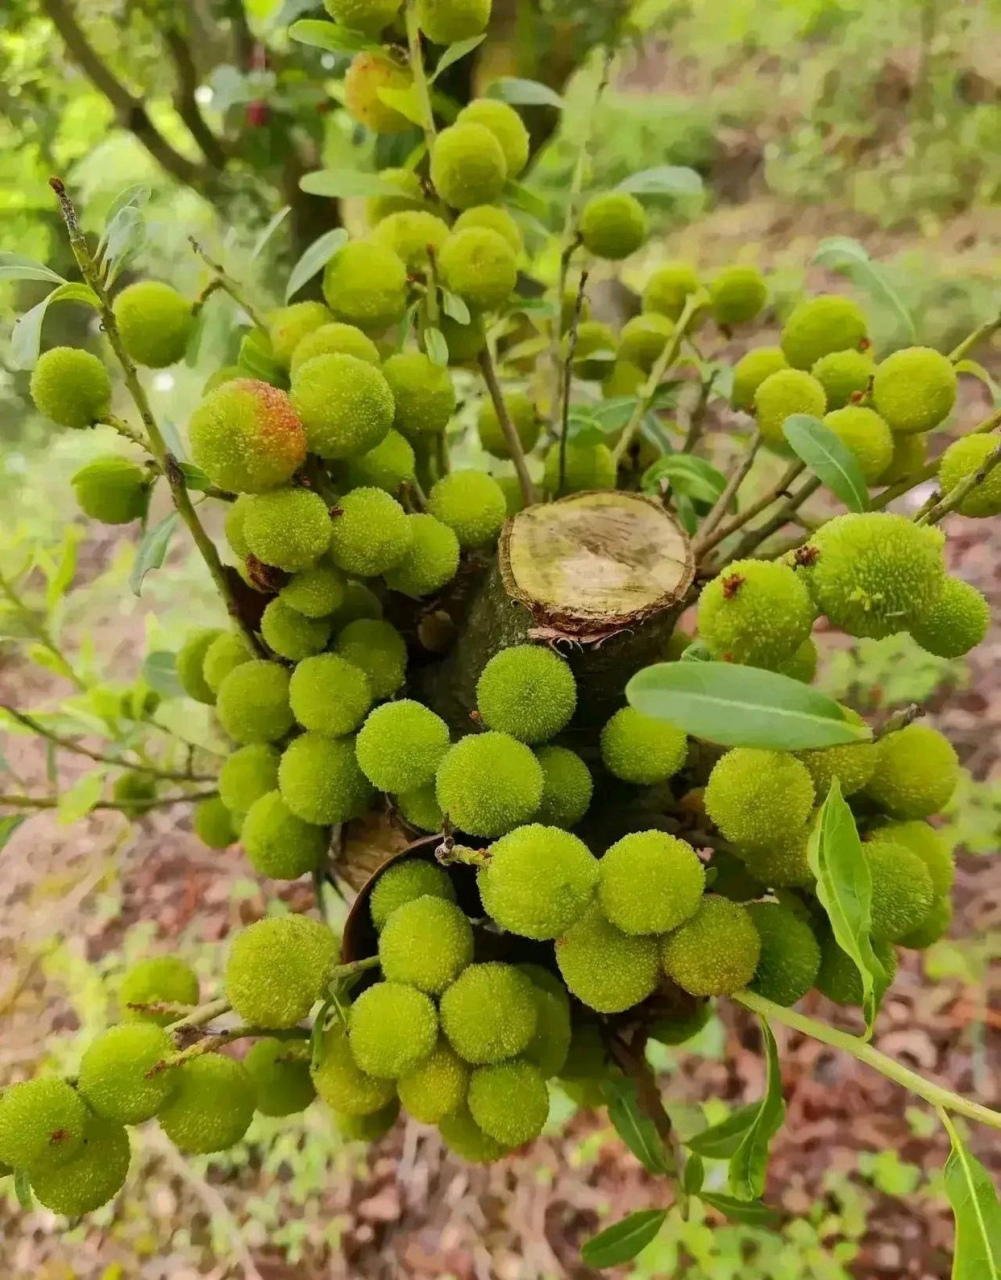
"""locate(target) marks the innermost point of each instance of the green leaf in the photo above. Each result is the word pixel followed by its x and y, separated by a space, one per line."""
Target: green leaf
pixel 693 1175
pixel 136 196
pixel 749 1162
pixel 436 347
pixel 844 888
pixel 160 672
pixel 978 371
pixel 697 651
pixel 124 237
pixel 518 195
pixel 525 93
pixel 751 1212
pixel 262 241
pixel 636 1130
pixel 314 259
pixel 741 706
pixel 694 477
pixel 623 1241
pixel 720 1141
pixel 665 180
pixel 194 477
pixel 256 359
pixel 339 184
pixel 9 825
pixel 455 307
pixel 61 575
pixel 320 34
pixel 80 799
pixel 977 1211
pixel 843 254
pixel 172 439
pixel 26 335
pixel 829 458
pixel 15 266
pixel 22 1189
pixel 152 550
pixel 455 52
pixel 406 102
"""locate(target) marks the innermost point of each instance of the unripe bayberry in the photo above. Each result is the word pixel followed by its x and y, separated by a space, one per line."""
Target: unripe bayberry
pixel 71 387
pixel 493 218
pixel 248 774
pixel 538 881
pixel 781 862
pixel 446 21
pixel 644 338
pixel 839 978
pixel 509 1101
pixel 471 504
pixel 421 809
pixel 135 792
pixel 818 326
pixel 426 944
pixel 91 1177
pixel 320 781
pixel 390 465
pixel 430 561
pixel 400 745
pixel 402 191
pixel 333 339
pixel 345 404
pixel 650 882
pixel 852 764
pixel 715 952
pixel 567 789
pixel 844 375
pixel 190 664
pixel 404 881
pixel 916 772
pixel 507 127
pixel 378 649
pixel 790 954
pixel 422 392
pixel 963 459
pixel 479 265
pixel 915 389
pixel 639 749
pixel 668 287
pixel 341 1084
pixel 317 592
pixel 606 969
pixel 391 1028
pixel 587 466
pixel 158 979
pixel 756 797
pixel 613 225
pixel 932 927
pixel 370 17
pixel 292 635
pixel 521 411
pixel 370 533
pixel 279 844
pixel 464 341
pixel 436 1088
pixel 278 968
pixel 413 235
pixel 365 284
pixel 288 528
pixel 957 621
pixel 550 1045
pixel 489 1013
pixel 625 379
pixel 289 325
pixel 929 845
pixel 782 394
pixel 213 824
pixel 212 1106
pixel 281 1079
pixel 253 702
pixel 124 1074
pixel 468 166
pixel 489 783
pixel 154 323
pixel 464 1137
pixel 227 651
pixel 737 294
pixel 527 691
pixel 909 456
pixel 246 437
pixel 368 73
pixel 112 490
pixel 43 1123
pixel 756 612
pixel 866 435
pixel 902 892
pixel 328 695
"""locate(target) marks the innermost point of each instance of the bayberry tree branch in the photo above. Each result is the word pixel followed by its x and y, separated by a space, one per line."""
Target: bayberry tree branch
pixel 516 452
pixel 974 339
pixel 119 806
pixel 957 496
pixel 779 489
pixel 755 537
pixel 722 503
pixel 894 491
pixel 224 282
pixel 415 52
pixel 567 378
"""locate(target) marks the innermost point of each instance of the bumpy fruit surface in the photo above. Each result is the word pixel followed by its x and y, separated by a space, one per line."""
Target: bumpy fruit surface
pixel 567 789
pixel 288 528
pixel 733 879
pixel 489 783
pixel 852 764
pixel 780 862
pixel 437 1087
pixel 549 1047
pixel 342 1084
pixel 365 284
pixel 509 1101
pixel 120 1077
pixel 538 881
pixel 289 325
pixel 422 393
pixel 368 1129
pixel 930 846
pixel 370 533
pixel 405 881
pixel 756 612
pixel 391 1028
pixel 402 191
pixel 756 797
pixel 226 652
pixel 190 664
pixel 320 780
pixel 368 73
pixel 587 466
pixel 902 893
pixel 246 436
pixel 328 695
pixel 715 952
pixel 527 691
pixel 464 341
pixel 154 323
pixel 964 459
pixel 790 954
pixel 281 1080
pixel 71 387
pixel 112 490
pixel 505 124
pixel 613 225
pixel 378 649
pixel 489 1013
pixel 345 404
pixel 335 338
pixel 494 218
pixel 420 808
pixel 934 926
pixel 413 235
pixel 844 374
pixel 277 969
pixel 426 944
pixel 401 745
pixel 642 750
pixel 292 635
pixel 278 843
pixel 463 1136
pixel 650 882
pixel 213 824
pixel 91 1177
pixel 606 969
pixel 915 389
pixel 253 702
pixel 644 338
pixel 431 559
pixel 521 411
pixel 820 325
pixel 737 294
pixel 316 592
pixel 956 623
pixel 668 287
pixel 212 1105
pixel 471 504
pixel 157 979
pixel 446 21
pixel 389 466
pixel 479 265
pixel 866 435
pixel 916 772
pixel 782 394
pixel 248 774
pixel 370 17
pixel 594 350
pixel 42 1123
pixel 468 166
pixel 838 977
pixel 873 573
pixel 909 456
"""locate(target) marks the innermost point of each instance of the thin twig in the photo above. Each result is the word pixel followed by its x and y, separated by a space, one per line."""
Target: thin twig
pixel 697 420
pixel 772 494
pixel 900 487
pixel 200 1015
pixel 755 537
pixel 515 450
pixel 228 285
pixel 722 503
pixel 899 720
pixel 120 806
pixel 567 378
pixel 39 631
pixel 126 430
pixel 980 334
pixel 958 495
pixel 416 58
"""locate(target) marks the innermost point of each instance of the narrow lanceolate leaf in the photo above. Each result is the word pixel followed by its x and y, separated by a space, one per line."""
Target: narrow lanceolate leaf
pixel 264 238
pixel 455 52
pixel 623 1241
pixel 15 266
pixel 436 347
pixel 829 458
pixel 525 93
pixel 693 1175
pixel 80 799
pixel 751 1212
pixel 842 253
pixel 314 259
pixel 977 1212
pixel 665 180
pixel 636 1130
pixel 720 1141
pixel 160 672
pixel 749 1162
pixel 320 34
pixel 9 825
pixel 844 888
pixel 22 1189
pixel 741 706
pixel 693 477
pixel 978 371
pixel 455 307
pixel 26 336
pixel 152 551
pixel 340 184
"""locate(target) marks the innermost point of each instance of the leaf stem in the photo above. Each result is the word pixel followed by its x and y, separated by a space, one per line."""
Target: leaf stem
pixel 516 452
pixel 126 430
pixel 355 967
pixel 881 1062
pixel 980 334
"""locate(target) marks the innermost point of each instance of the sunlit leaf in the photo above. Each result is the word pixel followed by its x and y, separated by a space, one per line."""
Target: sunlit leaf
pixel 525 93
pixel 26 335
pixel 665 180
pixel 15 266
pixel 314 259
pixel 842 253
pixel 406 102
pixel 152 550
pixel 749 1162
pixel 262 241
pixel 436 346
pixel 624 1240
pixel 331 36
pixel 829 458
pixel 455 52
pixel 977 1212
pixel 340 184
pixel 455 307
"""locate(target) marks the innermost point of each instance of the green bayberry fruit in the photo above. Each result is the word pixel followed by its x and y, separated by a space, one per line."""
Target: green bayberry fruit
pixel 567 788
pixel 437 1087
pixel 642 750
pixel 320 780
pixel 342 1085
pixel 365 284
pixel 370 17
pixel 479 265
pixel 159 979
pixel 248 774
pixel 334 339
pixel 749 373
pixel 818 326
pixel 538 881
pixel 756 612
pixel 505 124
pixel 369 74
pixel 281 1078
pixel 292 635
pixel 650 882
pixel 956 623
pixel 253 703
pixel 509 1101
pixel 489 1013
pixel 190 664
pixel 212 1106
pixel 403 882
pixel 839 978
pixel 844 375
pixel 370 533
pixel 71 387
pixel 757 797
pixel 790 954
pixel 422 392
pixel 866 435
pixel 963 459
pixel 468 168
pixel 402 191
pixel 930 845
pixel 89 1179
pixel 492 216
pixel 401 745
pixel 316 592
pixel 426 944
pixel 278 968
pixel 328 695
pixel 446 21
pixel 668 287
pixel 247 437
pixel 213 824
pixel 588 466
pixel 464 341
pixel 233 526
pixel 345 405
pixel 278 843
pixel 737 294
pixel 909 456
pixel 782 394
pixel 916 772
pixel 390 465
pixel 42 1123
pixel 852 764
pixel 733 880
pixel 288 528
pixel 781 861
pixel 715 952
pixel 154 323
pixel 112 490
pixel 134 792
pixel 932 927
pixel 431 559
pixel 391 1028
pixel 644 338
pixel 902 893
pixel 413 235
pixel 421 809
pixel 625 380
pixel 227 651
pixel 124 1074
pixel 527 691
pixel 359 603
pixel 550 1045
pixel 289 325
pixel 915 389
pixel 603 967
pixel 463 1136
pixel 613 225
pixel 378 649
pixel 521 411
pixel 803 663
pixel 678 1030
pixel 368 1129
pixel 489 783
pixel 471 504
pixel 594 351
